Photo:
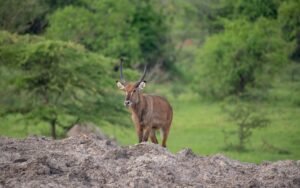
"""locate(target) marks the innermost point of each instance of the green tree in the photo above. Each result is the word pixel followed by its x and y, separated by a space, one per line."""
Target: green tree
pixel 254 9
pixel 211 14
pixel 54 82
pixel 101 26
pixel 289 21
pixel 28 16
pixel 133 29
pixel 246 118
pixel 244 56
pixel 151 23
pixel 22 16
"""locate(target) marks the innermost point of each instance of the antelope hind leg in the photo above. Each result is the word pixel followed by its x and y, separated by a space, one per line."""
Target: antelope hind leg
pixel 146 134
pixel 165 136
pixel 153 137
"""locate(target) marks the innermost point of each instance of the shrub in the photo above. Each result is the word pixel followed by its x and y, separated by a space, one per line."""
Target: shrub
pixel 244 56
pixel 55 82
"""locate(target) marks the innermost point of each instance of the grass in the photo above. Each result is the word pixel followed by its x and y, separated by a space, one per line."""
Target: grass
pixel 198 125
pixel 15 126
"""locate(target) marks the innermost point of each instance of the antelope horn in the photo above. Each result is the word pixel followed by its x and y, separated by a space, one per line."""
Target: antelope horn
pixel 144 74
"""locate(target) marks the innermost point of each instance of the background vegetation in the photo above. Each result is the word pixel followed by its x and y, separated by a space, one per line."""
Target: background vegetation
pixel 231 70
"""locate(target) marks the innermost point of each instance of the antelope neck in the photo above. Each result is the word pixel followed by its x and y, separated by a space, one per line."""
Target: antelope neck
pixel 139 105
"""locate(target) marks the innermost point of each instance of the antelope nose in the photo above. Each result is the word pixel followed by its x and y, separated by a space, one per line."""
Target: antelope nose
pixel 127 103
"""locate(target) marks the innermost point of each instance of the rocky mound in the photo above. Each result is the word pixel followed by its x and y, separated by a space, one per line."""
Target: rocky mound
pixel 91 162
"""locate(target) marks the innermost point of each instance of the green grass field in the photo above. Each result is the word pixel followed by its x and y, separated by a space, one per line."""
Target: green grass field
pixel 198 125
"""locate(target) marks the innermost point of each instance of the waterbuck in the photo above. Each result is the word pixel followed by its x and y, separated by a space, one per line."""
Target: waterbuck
pixel 148 112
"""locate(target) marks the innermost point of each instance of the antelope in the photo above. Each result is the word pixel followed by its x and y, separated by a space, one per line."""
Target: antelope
pixel 148 112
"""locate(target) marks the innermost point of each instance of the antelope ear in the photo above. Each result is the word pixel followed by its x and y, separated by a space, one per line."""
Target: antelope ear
pixel 142 85
pixel 120 85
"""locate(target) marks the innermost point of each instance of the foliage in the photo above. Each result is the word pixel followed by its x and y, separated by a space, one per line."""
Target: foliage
pixel 114 28
pixel 238 59
pixel 289 20
pixel 221 48
pixel 24 17
pixel 28 16
pixel 152 27
pixel 54 81
pixel 251 9
pixel 246 118
pixel 105 29
pixel 201 18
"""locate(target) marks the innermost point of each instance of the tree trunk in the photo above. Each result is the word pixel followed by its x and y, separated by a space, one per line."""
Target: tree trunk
pixel 241 137
pixel 242 83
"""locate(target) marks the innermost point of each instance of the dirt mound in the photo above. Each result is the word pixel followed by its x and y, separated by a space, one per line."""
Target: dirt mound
pixel 87 129
pixel 91 162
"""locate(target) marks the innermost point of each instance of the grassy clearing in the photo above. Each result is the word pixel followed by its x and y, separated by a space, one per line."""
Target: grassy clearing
pixel 15 126
pixel 198 125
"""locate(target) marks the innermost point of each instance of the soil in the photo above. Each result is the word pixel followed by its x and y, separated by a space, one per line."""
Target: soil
pixel 88 161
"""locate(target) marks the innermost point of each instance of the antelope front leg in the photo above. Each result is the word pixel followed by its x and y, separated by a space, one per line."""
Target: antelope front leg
pixel 139 131
pixel 138 127
pixel 146 134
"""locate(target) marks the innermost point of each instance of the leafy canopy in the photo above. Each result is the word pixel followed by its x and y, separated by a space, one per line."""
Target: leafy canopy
pixel 54 81
pixel 238 59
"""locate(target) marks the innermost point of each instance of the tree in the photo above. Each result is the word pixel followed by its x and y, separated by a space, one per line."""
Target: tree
pixel 210 14
pixel 289 12
pixel 254 9
pixel 28 16
pixel 22 16
pixel 133 29
pixel 54 82
pixel 151 24
pixel 101 26
pixel 246 119
pixel 243 57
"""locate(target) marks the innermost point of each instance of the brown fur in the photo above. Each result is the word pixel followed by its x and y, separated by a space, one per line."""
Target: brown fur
pixel 149 113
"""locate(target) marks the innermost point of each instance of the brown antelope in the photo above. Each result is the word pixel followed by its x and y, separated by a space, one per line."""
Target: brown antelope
pixel 148 112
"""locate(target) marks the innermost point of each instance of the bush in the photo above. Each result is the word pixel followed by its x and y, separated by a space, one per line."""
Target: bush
pixel 289 21
pixel 22 16
pixel 244 56
pixel 106 30
pixel 132 29
pixel 55 82
pixel 246 118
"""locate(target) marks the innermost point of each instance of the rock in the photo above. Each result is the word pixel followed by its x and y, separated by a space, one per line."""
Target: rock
pixel 86 129
pixel 87 161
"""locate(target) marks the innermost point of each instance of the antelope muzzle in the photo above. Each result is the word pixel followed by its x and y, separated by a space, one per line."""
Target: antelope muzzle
pixel 127 103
